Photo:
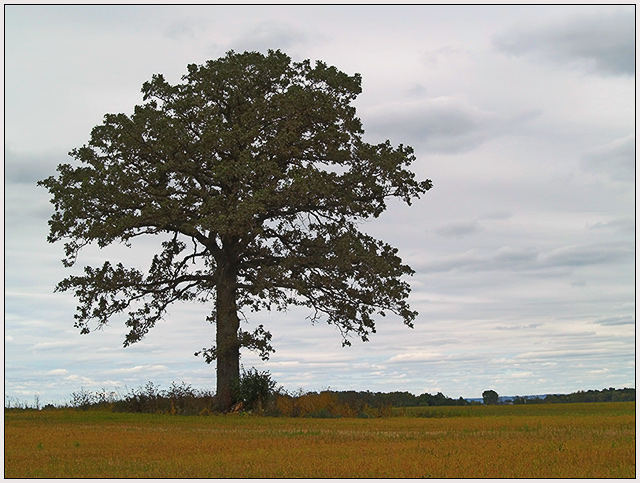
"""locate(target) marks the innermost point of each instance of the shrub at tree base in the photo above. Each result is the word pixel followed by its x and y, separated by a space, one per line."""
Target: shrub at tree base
pixel 255 390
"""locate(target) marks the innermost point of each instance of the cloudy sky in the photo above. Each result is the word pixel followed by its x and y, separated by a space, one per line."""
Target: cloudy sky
pixel 524 251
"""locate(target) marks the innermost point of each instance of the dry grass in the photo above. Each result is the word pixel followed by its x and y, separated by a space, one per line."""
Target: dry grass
pixel 594 440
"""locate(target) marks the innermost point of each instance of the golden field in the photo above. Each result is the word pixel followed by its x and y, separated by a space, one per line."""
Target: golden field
pixel 584 440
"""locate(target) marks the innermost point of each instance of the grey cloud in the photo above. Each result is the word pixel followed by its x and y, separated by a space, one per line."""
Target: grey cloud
pixel 439 359
pixel 28 169
pixel 617 159
pixel 443 124
pixel 518 327
pixel 531 260
pixel 505 258
pixel 439 124
pixel 621 225
pixel 514 257
pixel 596 254
pixel 186 28
pixel 113 17
pixel 600 43
pixel 617 320
pixel 26 205
pixel 27 213
pixel 269 35
pixel 498 215
pixel 417 91
pixel 559 354
pixel 458 230
pixel 433 56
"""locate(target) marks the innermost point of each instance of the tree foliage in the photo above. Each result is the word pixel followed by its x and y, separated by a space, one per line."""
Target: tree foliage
pixel 254 172
pixel 490 397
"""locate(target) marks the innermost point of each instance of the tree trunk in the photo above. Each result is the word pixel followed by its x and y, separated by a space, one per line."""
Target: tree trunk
pixel 227 344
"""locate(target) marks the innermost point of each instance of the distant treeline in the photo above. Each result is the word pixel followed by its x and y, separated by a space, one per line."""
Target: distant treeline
pixel 259 395
pixel 398 399
pixel 592 395
pixel 406 399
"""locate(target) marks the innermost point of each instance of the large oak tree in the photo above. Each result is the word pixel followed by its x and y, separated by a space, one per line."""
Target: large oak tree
pixel 255 172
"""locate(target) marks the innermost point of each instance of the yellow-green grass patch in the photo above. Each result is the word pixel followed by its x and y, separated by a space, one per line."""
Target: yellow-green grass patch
pixel 589 440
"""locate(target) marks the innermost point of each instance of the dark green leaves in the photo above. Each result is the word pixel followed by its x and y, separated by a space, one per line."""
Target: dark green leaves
pixel 254 164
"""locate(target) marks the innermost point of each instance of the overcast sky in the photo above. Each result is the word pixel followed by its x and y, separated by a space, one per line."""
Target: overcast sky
pixel 522 116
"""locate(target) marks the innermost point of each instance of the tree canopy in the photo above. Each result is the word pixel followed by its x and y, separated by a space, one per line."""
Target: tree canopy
pixel 254 172
pixel 490 397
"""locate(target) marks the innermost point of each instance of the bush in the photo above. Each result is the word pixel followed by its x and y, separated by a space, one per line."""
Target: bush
pixel 256 390
pixel 178 399
pixel 185 400
pixel 83 399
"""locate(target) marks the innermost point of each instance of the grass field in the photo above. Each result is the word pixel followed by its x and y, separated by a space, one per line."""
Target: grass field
pixel 590 440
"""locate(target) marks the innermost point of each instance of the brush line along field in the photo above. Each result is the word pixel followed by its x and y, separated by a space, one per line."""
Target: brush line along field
pixel 585 440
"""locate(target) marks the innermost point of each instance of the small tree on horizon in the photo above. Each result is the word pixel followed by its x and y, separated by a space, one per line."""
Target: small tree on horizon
pixel 490 397
pixel 254 172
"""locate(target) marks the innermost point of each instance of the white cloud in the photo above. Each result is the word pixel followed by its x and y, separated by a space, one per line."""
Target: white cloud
pixel 139 369
pixel 417 357
pixel 57 372
pixel 86 381
pixel 53 345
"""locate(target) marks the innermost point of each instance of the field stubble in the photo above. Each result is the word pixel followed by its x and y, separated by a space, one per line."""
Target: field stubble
pixel 595 440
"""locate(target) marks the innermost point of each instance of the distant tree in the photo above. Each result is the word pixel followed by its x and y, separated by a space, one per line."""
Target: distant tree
pixel 490 397
pixel 254 173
